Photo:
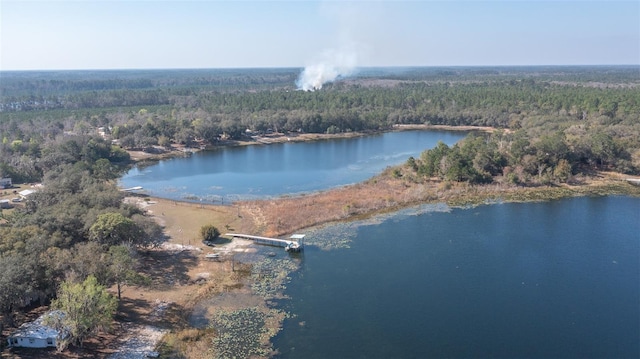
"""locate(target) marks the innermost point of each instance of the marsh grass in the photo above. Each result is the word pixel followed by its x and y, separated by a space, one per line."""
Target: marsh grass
pixel 388 193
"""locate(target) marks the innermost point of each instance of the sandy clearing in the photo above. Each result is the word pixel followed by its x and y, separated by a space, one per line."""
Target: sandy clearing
pixel 138 342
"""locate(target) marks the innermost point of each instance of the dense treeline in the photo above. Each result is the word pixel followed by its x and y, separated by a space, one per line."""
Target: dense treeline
pixel 25 84
pixel 48 148
pixel 186 114
pixel 555 122
pixel 74 226
pixel 141 109
pixel 28 91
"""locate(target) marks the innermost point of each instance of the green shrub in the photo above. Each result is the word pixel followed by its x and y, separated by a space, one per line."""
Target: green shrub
pixel 209 232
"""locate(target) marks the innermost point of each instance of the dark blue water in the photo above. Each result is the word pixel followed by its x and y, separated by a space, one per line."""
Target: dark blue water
pixel 558 279
pixel 289 168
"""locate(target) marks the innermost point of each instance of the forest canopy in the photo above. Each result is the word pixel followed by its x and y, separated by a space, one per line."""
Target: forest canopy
pixel 142 109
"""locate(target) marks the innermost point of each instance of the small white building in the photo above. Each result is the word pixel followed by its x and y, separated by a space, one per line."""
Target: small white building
pixel 26 193
pixel 36 334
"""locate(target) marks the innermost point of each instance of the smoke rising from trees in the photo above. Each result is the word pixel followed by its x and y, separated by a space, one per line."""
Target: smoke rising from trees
pixel 332 65
pixel 354 32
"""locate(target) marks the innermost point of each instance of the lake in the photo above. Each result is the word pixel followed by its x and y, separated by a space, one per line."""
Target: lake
pixel 558 279
pixel 260 171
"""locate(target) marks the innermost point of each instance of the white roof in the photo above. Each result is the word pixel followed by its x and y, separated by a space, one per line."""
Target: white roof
pixel 26 192
pixel 37 329
pixel 297 236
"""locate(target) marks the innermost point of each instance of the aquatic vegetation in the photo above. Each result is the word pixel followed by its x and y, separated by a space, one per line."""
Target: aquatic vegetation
pixel 240 333
pixel 270 276
pixel 421 209
pixel 339 235
pixel 245 333
pixel 331 236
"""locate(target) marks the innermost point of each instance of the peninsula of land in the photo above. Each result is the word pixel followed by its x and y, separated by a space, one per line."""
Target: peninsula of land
pixel 399 187
pixel 394 189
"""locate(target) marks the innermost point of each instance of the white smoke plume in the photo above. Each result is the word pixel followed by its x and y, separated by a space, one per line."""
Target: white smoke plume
pixel 332 65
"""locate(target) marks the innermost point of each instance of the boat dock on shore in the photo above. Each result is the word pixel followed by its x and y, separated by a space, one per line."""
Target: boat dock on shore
pixel 132 189
pixel 295 243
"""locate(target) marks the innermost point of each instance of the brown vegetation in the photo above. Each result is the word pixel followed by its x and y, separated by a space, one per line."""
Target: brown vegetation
pixel 393 190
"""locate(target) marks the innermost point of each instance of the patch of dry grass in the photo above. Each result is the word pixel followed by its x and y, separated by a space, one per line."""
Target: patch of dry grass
pixel 387 192
pixel 182 220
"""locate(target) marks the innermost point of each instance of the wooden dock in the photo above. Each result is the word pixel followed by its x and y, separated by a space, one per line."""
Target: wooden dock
pixel 295 243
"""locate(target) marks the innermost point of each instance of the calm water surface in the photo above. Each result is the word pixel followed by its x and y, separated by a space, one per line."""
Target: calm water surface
pixel 278 169
pixel 558 279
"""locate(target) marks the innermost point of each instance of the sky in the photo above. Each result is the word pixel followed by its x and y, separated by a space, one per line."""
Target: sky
pixel 165 34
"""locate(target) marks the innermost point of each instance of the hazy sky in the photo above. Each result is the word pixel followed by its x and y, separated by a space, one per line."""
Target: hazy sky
pixel 118 34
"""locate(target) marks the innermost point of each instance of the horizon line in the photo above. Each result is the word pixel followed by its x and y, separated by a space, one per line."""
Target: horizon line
pixel 303 67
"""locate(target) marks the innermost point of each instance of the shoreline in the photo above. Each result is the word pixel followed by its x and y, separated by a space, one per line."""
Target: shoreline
pixel 286 215
pixel 184 281
pixel 385 194
pixel 458 195
pixel 141 157
pixel 277 217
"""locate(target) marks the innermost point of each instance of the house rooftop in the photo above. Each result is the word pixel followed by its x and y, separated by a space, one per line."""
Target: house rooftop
pixel 26 192
pixel 37 329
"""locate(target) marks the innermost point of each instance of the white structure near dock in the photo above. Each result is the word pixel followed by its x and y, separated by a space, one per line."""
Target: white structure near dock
pixel 36 334
pixel 132 189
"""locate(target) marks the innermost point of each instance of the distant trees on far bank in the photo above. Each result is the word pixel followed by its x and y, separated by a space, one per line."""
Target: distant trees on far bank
pixel 141 109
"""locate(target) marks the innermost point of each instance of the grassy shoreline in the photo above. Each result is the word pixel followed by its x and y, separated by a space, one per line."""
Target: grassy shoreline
pixel 384 193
